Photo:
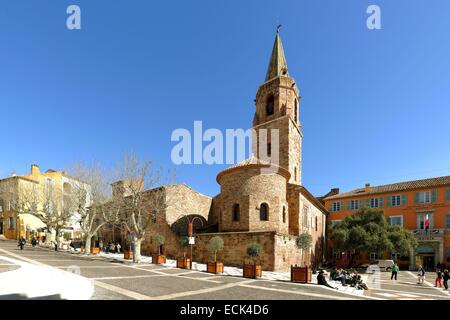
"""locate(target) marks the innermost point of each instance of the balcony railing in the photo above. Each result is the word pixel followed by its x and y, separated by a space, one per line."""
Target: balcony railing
pixel 429 232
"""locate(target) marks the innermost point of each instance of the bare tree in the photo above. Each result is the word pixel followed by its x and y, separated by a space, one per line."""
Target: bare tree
pixel 92 201
pixel 140 197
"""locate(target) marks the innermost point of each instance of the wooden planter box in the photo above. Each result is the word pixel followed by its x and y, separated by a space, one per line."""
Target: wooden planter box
pixel 301 274
pixel 158 259
pixel 95 250
pixel 128 255
pixel 184 263
pixel 215 267
pixel 252 271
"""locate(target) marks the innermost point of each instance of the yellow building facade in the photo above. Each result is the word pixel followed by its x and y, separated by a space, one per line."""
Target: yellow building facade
pixel 14 224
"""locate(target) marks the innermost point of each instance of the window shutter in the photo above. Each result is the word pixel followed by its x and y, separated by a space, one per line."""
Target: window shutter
pixel 388 201
pixel 348 204
pixel 403 199
pixel 330 207
pixel 447 194
pixel 447 252
pixel 368 202
pixel 342 206
pixel 380 202
pixel 433 195
pixel 416 197
pixel 360 204
pixel 447 221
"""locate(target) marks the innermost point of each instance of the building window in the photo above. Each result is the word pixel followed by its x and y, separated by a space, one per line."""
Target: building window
pixel 305 216
pixel 422 217
pixel 270 103
pixel 374 203
pixel 447 194
pixel 264 212
pixel 395 220
pixel 296 110
pixel 373 256
pixel 447 221
pixel 10 223
pixel 316 224
pixel 336 206
pixel 236 212
pixel 284 214
pixel 395 201
pixel 269 149
pixel 425 196
pixel 295 174
pixel 353 204
pixel 447 254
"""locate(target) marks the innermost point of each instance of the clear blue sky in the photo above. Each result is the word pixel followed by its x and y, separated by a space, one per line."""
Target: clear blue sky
pixel 375 104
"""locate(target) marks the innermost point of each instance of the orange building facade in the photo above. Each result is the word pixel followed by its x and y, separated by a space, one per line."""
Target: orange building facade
pixel 406 204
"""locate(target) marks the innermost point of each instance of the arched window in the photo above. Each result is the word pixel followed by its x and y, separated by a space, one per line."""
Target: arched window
pixel 296 110
pixel 270 103
pixel 264 212
pixel 236 212
pixel 284 214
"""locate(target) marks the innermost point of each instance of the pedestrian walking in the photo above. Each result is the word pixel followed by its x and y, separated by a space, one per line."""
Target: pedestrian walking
pixel 118 247
pixel 21 243
pixel 445 277
pixel 394 271
pixel 33 242
pixel 438 280
pixel 421 274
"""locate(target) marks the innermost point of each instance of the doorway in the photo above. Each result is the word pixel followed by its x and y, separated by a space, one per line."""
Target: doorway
pixel 1 226
pixel 426 261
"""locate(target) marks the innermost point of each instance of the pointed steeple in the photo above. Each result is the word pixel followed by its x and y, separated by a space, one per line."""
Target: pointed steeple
pixel 277 63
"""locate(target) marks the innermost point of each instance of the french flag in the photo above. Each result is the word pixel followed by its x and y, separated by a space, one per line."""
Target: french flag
pixel 427 223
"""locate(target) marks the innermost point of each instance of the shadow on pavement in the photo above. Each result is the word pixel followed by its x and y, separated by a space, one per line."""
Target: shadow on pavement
pixel 18 296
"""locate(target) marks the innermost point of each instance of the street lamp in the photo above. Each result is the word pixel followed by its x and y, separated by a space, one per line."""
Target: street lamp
pixel 191 232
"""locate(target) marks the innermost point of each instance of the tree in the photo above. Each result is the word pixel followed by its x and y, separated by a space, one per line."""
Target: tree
pixel 254 250
pixel 91 199
pixel 141 197
pixel 215 245
pixel 368 231
pixel 304 242
pixel 159 240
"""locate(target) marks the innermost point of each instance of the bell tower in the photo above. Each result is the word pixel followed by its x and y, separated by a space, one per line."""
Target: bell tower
pixel 277 107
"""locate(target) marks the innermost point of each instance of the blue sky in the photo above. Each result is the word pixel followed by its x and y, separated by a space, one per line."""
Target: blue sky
pixel 375 103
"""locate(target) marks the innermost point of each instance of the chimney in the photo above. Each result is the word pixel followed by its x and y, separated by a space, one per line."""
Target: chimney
pixel 35 170
pixel 367 187
pixel 334 191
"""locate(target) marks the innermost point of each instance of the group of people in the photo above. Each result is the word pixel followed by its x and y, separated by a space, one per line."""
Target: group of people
pixel 22 242
pixel 442 275
pixel 346 278
pixel 110 247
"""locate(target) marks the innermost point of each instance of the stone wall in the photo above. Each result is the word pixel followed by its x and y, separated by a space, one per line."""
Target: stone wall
pixel 250 187
pixel 235 248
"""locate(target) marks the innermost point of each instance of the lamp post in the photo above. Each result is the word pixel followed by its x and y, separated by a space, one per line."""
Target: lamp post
pixel 191 232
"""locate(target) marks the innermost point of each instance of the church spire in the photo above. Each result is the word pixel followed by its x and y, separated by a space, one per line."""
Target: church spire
pixel 277 63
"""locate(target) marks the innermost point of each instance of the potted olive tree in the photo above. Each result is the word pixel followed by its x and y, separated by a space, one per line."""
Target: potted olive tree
pixel 127 250
pixel 184 262
pixel 159 258
pixel 95 249
pixel 253 269
pixel 215 245
pixel 302 273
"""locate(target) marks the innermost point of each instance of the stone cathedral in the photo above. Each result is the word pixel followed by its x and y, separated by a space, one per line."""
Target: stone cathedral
pixel 270 207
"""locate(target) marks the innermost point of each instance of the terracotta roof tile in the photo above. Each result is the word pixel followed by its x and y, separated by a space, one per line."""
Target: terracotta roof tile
pixel 395 187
